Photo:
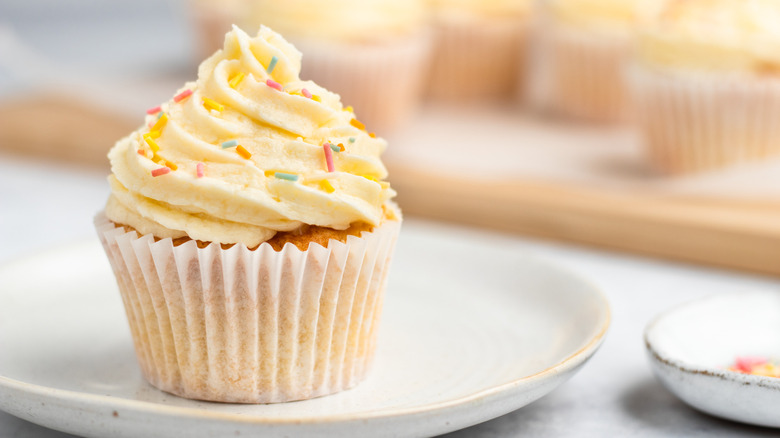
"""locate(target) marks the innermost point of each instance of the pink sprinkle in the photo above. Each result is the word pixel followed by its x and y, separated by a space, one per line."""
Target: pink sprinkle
pixel 329 157
pixel 199 170
pixel 161 171
pixel 273 84
pixel 183 95
pixel 154 110
pixel 747 363
pixel 306 93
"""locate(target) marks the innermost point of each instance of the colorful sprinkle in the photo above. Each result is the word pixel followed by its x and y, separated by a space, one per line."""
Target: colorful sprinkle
pixel 229 144
pixel 316 98
pixel 199 170
pixel 384 184
pixel 335 148
pixel 286 176
pixel 372 135
pixel 160 114
pixel 356 123
pixel 350 109
pixel 370 178
pixel 327 186
pixel 161 121
pixel 306 93
pixel 183 95
pixel 243 152
pixel 328 157
pixel 161 171
pixel 141 152
pixel 211 105
pixel 154 110
pixel 236 80
pixel 273 84
pixel 352 139
pixel 152 144
pixel 272 64
pixel 171 165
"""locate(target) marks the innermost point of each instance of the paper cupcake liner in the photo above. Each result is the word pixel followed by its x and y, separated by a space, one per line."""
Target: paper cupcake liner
pixel 251 326
pixel 693 122
pixel 478 60
pixel 383 81
pixel 580 74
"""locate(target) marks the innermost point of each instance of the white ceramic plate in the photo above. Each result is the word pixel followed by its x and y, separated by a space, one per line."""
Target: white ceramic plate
pixel 690 348
pixel 471 331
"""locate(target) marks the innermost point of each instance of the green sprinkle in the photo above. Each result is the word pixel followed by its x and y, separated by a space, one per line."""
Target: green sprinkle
pixel 334 147
pixel 287 176
pixel 160 115
pixel 272 64
pixel 352 139
pixel 230 144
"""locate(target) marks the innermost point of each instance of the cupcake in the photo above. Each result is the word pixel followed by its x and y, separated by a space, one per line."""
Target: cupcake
pixel 250 232
pixel 480 48
pixel 373 53
pixel 707 83
pixel 580 52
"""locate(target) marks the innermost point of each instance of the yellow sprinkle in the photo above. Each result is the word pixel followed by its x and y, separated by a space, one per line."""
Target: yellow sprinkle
pixel 171 165
pixel 384 184
pixel 236 80
pixel 160 123
pixel 372 135
pixel 350 109
pixel 269 173
pixel 316 98
pixel 369 177
pixel 327 186
pixel 243 152
pixel 356 123
pixel 152 144
pixel 211 105
pixel 152 134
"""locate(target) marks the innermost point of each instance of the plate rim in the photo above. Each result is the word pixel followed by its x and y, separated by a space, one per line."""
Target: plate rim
pixel 687 367
pixel 569 363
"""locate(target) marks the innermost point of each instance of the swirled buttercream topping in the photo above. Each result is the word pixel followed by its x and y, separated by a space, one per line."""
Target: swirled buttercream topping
pixel 721 35
pixel 239 155
pixel 339 20
pixel 596 15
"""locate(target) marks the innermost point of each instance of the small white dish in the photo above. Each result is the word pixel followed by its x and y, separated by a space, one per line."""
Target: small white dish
pixel 471 330
pixel 691 347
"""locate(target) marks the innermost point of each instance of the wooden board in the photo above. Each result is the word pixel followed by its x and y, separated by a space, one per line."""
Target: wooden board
pixel 500 168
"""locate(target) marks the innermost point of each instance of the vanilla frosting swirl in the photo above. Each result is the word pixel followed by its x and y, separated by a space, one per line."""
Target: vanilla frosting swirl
pixel 240 198
pixel 596 15
pixel 722 35
pixel 339 20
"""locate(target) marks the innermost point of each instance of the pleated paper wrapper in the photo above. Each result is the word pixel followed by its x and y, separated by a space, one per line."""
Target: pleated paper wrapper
pixel 699 121
pixel 251 326
pixel 579 74
pixel 478 59
pixel 384 79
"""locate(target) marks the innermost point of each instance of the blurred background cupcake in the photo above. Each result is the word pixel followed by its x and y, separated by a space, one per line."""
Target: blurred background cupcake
pixel 374 53
pixel 480 47
pixel 213 19
pixel 707 83
pixel 580 50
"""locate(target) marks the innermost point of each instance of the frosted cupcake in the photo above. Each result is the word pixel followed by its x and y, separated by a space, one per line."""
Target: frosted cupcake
pixel 581 50
pixel 374 53
pixel 708 83
pixel 250 231
pixel 480 48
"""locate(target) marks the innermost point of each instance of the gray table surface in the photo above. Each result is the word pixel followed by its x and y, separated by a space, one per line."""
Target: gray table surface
pixel 615 394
